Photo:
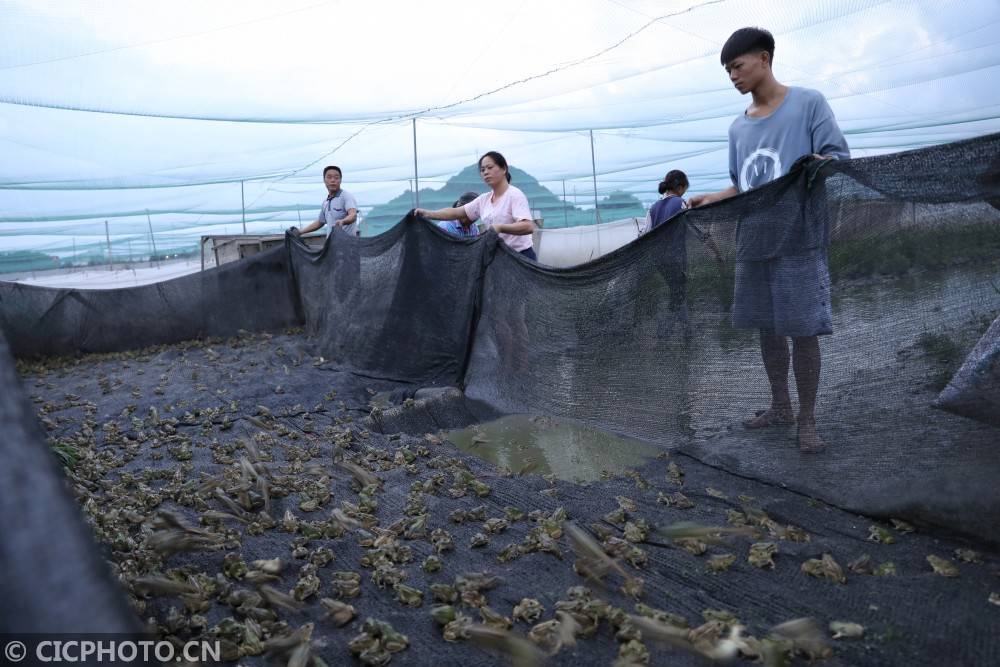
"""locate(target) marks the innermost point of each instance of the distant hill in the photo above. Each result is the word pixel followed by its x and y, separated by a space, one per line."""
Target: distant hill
pixel 555 212
pixel 26 260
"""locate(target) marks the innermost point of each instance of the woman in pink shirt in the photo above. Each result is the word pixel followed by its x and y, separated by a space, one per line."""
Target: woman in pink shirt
pixel 504 209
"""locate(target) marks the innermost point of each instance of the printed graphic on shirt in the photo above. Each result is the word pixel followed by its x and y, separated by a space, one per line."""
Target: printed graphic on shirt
pixel 761 167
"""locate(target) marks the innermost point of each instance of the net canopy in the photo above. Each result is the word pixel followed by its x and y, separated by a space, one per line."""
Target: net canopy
pixel 187 120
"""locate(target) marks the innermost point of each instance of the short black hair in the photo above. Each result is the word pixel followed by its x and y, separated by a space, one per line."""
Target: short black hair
pixel 333 167
pixel 748 40
pixel 673 180
pixel 464 199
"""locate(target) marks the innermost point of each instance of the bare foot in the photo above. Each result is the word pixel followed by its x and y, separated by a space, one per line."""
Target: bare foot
pixel 809 440
pixel 770 417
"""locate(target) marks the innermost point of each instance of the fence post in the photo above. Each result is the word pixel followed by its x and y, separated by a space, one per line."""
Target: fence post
pixel 107 235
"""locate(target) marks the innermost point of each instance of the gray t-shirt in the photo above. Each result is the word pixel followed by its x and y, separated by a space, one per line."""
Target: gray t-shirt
pixel 336 208
pixel 763 149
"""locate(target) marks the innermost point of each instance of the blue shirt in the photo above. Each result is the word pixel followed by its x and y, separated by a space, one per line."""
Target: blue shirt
pixel 664 209
pixel 676 242
pixel 455 228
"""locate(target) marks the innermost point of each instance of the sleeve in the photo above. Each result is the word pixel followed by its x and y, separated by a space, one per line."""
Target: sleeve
pixel 320 217
pixel 733 169
pixel 350 202
pixel 827 139
pixel 519 208
pixel 474 209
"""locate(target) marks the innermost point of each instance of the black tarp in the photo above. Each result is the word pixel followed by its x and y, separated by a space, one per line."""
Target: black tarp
pixel 54 580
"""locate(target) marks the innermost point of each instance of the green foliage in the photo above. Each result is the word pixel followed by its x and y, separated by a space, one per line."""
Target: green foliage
pixel 940 346
pixel 26 260
pixel 948 348
pixel 66 453
pixel 896 254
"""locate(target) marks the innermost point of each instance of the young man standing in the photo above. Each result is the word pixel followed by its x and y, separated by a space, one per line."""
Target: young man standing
pixel 339 210
pixel 788 295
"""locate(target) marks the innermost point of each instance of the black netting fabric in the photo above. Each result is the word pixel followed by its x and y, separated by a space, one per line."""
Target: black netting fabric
pixel 54 581
pixel 399 305
pixel 255 295
pixel 658 340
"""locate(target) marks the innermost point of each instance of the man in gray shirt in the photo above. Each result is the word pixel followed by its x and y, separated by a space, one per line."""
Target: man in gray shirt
pixel 340 208
pixel 782 279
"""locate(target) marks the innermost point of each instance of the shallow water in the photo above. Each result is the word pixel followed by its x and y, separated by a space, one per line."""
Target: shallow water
pixel 543 445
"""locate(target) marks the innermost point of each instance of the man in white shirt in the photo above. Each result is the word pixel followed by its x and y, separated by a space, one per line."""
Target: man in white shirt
pixel 340 208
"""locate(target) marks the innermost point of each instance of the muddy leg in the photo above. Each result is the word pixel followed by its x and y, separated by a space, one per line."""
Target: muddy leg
pixel 807 362
pixel 774 352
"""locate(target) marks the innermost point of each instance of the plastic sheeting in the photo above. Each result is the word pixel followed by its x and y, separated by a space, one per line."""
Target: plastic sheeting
pixel 975 390
pixel 569 246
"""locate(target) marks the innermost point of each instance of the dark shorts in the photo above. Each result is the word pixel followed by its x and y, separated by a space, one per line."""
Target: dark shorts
pixel 787 296
pixel 530 254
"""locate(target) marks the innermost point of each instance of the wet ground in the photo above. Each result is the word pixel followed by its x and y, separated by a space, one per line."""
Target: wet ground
pixel 891 453
pixel 255 449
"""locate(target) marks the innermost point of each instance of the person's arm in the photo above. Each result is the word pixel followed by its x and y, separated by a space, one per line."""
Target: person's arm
pixel 647 223
pixel 440 214
pixel 732 190
pixel 520 211
pixel 349 219
pixel 351 206
pixel 711 198
pixel 312 226
pixel 519 228
pixel 827 139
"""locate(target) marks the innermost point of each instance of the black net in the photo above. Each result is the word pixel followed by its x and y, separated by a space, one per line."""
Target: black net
pixel 54 579
pixel 255 295
pixel 399 305
pixel 641 342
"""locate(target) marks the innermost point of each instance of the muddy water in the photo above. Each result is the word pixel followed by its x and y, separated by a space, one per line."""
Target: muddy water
pixel 543 445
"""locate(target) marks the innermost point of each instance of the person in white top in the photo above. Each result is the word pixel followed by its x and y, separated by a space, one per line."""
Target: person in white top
pixel 504 209
pixel 340 208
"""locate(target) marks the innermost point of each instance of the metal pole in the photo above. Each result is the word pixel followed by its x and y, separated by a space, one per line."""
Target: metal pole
pixel 129 251
pixel 243 205
pixel 107 235
pixel 73 261
pixel 597 213
pixel 593 166
pixel 152 239
pixel 416 176
pixel 565 209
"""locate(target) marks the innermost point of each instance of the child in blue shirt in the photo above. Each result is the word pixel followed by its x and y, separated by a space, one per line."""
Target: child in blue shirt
pixel 463 226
